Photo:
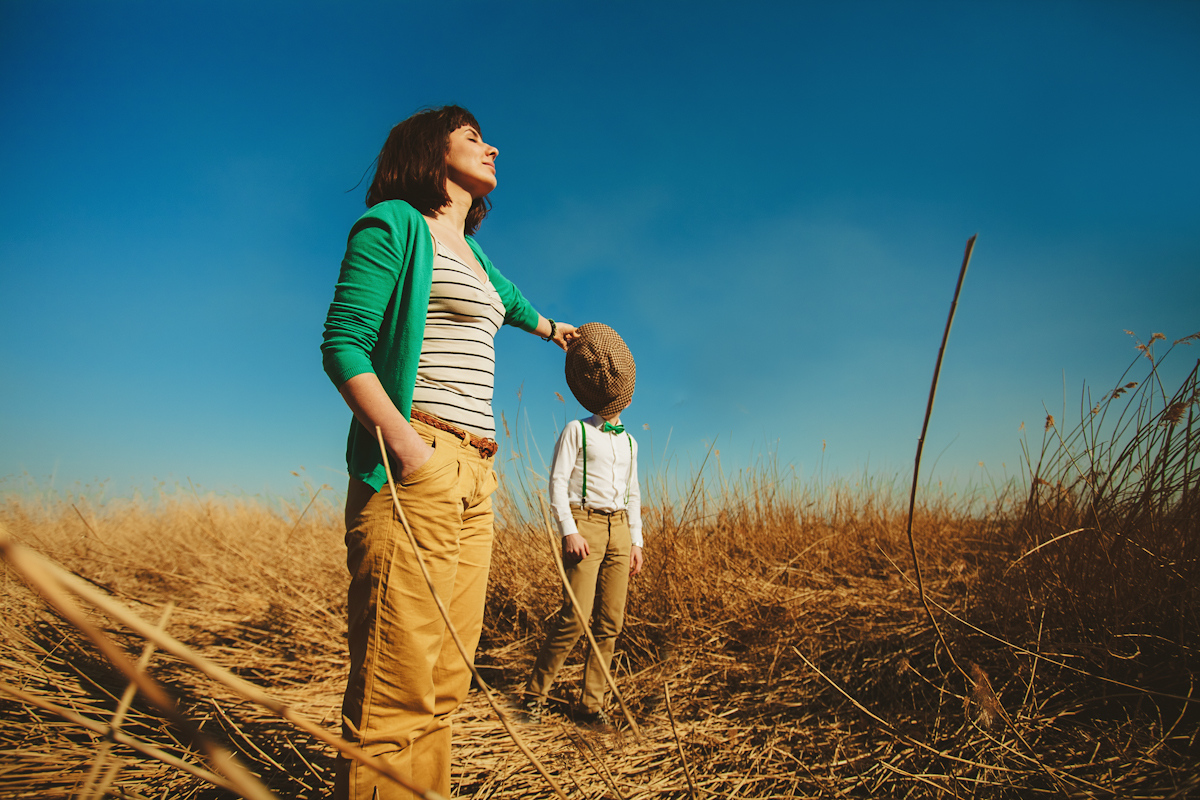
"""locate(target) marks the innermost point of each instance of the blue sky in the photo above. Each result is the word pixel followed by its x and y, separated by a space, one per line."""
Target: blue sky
pixel 769 201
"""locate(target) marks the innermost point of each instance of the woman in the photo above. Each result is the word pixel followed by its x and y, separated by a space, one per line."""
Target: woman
pixel 408 343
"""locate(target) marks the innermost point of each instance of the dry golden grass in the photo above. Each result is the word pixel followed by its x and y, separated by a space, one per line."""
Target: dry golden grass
pixel 776 616
pixel 253 590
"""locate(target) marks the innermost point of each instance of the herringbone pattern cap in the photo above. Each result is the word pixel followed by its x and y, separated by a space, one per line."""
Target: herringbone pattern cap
pixel 600 369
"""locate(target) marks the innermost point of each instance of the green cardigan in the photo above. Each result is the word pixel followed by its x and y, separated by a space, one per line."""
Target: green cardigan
pixel 376 322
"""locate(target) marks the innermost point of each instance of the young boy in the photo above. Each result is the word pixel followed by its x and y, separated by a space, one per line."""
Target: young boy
pixel 595 500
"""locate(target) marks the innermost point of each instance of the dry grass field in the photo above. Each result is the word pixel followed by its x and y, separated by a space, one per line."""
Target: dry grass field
pixel 776 644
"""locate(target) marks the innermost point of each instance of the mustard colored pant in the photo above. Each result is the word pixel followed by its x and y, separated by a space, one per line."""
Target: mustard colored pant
pixel 600 582
pixel 406 674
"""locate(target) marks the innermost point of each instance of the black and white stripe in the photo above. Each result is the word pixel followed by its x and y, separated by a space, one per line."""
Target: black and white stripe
pixel 455 377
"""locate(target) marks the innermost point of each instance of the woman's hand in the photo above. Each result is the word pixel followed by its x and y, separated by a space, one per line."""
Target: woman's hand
pixel 373 408
pixel 414 462
pixel 563 335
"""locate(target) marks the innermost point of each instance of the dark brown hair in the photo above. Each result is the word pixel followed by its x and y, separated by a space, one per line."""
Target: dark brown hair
pixel 412 164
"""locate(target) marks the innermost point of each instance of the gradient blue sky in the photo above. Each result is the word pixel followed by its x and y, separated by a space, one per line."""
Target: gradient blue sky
pixel 769 201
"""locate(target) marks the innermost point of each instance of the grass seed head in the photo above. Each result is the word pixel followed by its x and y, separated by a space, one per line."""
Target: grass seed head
pixel 982 699
pixel 1174 413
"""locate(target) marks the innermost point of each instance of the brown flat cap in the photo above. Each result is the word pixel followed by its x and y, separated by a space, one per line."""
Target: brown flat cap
pixel 600 369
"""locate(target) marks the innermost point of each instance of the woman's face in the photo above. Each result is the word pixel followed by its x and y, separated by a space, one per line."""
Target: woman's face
pixel 471 162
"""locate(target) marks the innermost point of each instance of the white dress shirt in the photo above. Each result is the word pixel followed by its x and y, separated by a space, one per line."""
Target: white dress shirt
pixel 612 482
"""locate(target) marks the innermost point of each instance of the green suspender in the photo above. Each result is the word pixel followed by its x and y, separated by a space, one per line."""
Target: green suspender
pixel 628 478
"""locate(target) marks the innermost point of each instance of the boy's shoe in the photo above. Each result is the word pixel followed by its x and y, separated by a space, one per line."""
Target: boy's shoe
pixel 535 708
pixel 598 718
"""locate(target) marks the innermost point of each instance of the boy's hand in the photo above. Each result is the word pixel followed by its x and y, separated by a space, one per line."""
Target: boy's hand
pixel 635 560
pixel 575 548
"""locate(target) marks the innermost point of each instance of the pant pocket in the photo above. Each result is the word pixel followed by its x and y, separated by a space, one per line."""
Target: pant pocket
pixel 439 463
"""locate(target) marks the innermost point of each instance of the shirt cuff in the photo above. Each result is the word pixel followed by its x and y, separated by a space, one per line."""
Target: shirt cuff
pixel 567 526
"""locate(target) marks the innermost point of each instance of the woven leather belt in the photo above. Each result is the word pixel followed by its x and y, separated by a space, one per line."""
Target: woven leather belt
pixel 486 447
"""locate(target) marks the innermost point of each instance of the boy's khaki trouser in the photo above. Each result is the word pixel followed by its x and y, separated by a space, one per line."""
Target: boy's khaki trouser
pixel 603 574
pixel 406 674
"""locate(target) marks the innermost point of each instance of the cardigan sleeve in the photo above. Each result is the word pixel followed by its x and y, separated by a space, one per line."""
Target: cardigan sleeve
pixel 366 284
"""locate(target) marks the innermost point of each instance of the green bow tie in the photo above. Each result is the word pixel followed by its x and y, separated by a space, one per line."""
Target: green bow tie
pixel 608 427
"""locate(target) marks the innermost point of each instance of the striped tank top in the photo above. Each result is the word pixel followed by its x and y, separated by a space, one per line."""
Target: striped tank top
pixel 456 373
